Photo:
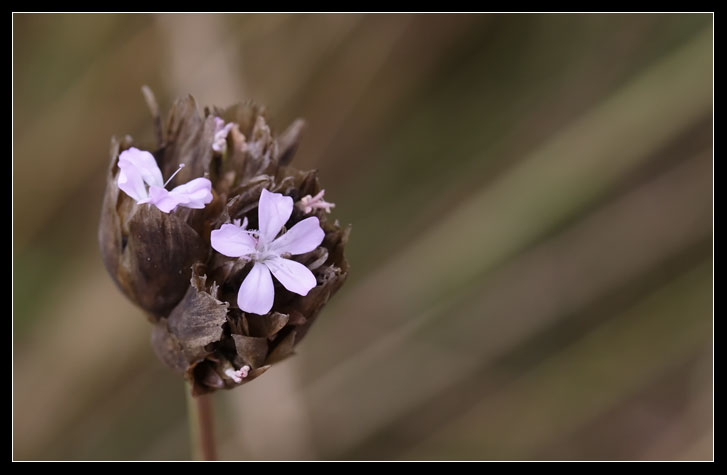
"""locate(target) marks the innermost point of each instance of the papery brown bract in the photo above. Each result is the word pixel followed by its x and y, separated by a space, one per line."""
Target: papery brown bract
pixel 164 263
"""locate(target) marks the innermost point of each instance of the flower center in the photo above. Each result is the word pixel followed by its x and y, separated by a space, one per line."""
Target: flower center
pixel 262 253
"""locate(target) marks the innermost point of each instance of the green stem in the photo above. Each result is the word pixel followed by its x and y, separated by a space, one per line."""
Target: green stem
pixel 201 426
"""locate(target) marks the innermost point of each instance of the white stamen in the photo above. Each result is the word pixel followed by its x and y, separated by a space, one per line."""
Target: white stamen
pixel 181 165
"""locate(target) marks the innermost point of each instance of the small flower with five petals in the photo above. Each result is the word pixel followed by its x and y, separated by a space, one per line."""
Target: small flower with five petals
pixel 266 250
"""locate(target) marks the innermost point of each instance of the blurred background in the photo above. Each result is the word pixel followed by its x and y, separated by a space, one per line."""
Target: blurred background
pixel 531 254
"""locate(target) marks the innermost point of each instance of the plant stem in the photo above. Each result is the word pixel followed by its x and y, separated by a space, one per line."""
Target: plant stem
pixel 201 426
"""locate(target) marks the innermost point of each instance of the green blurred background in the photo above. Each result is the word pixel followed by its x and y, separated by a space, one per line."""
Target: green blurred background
pixel 531 254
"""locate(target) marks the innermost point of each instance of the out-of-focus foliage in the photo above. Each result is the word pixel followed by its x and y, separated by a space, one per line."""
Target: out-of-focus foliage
pixel 531 256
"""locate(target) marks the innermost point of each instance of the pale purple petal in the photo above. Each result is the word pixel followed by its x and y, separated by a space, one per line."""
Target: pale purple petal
pixel 162 199
pixel 274 210
pixel 144 163
pixel 256 292
pixel 232 241
pixel 193 194
pixel 305 236
pixel 293 275
pixel 131 183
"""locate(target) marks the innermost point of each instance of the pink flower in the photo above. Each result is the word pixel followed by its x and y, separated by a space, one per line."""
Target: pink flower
pixel 238 375
pixel 308 203
pixel 138 169
pixel 219 142
pixel 256 293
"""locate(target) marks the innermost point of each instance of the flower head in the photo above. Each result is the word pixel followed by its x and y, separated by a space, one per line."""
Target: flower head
pixel 220 318
pixel 266 252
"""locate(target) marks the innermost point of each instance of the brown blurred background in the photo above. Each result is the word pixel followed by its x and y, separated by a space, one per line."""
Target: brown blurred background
pixel 531 255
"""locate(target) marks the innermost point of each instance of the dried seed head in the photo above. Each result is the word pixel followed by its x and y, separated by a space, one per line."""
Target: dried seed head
pixel 164 261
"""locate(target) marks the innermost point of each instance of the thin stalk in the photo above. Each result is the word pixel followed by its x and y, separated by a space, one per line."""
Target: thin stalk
pixel 201 426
